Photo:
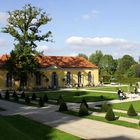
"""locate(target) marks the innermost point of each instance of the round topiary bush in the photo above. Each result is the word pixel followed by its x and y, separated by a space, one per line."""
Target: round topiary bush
pixel 60 100
pixel 34 96
pixel 104 107
pixel 45 98
pixel 7 96
pixel 27 100
pixel 83 111
pixel 23 95
pixel 63 107
pixel 131 111
pixel 85 102
pixel 40 102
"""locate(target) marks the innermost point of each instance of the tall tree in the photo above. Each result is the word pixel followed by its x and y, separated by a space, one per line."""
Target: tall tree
pixel 125 63
pixel 83 55
pixel 24 25
pixel 96 57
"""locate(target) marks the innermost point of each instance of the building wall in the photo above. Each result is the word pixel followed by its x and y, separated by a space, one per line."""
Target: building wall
pixel 46 80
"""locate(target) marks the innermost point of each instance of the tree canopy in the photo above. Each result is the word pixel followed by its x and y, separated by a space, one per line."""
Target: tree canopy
pixel 24 25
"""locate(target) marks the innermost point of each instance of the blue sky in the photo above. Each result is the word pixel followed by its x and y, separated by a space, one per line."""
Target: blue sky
pixel 83 26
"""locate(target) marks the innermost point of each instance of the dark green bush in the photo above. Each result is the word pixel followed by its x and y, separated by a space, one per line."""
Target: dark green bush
pixel 27 100
pixel 131 111
pixel 16 98
pixel 23 95
pixel 7 96
pixel 40 102
pixel 83 111
pixel 34 96
pixel 77 93
pixel 60 99
pixel 105 107
pixel 85 102
pixel 63 107
pixel 14 94
pixel 110 116
pixel 45 98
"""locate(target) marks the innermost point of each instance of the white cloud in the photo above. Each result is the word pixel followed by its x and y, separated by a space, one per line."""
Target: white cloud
pixel 100 41
pixel 3 17
pixel 42 48
pixel 90 15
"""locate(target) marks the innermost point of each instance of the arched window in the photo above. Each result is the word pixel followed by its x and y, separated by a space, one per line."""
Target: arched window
pixel 9 80
pixel 89 77
pixel 68 78
pixel 79 78
pixel 38 79
pixel 54 80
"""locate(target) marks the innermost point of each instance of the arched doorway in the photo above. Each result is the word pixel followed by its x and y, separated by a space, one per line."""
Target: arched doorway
pixel 54 82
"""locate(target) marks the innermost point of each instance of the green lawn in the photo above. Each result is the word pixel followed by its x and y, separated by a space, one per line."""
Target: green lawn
pixel 21 128
pixel 111 88
pixel 69 96
pixel 125 106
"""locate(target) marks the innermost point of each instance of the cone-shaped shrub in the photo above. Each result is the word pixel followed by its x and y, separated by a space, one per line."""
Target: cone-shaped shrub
pixel 85 102
pixel 7 96
pixel 40 102
pixel 83 111
pixel 45 98
pixel 27 100
pixel 16 97
pixel 23 95
pixel 63 107
pixel 34 96
pixel 131 111
pixel 104 107
pixel 110 116
pixel 60 99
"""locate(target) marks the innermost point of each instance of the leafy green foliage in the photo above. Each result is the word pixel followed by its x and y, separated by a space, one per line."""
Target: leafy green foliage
pixel 34 96
pixel 45 98
pixel 85 102
pixel 83 111
pixel 40 102
pixel 105 107
pixel 7 95
pixel 131 111
pixel 60 99
pixel 23 95
pixel 63 107
pixel 24 25
pixel 83 55
pixel 27 100
pixel 110 116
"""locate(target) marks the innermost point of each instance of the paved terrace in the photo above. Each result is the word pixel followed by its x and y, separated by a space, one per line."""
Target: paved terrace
pixel 84 128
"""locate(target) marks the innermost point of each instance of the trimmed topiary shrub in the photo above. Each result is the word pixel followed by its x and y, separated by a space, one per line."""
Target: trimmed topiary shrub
pixel 23 95
pixel 7 96
pixel 16 98
pixel 34 96
pixel 40 102
pixel 85 102
pixel 27 100
pixel 63 107
pixel 45 98
pixel 131 111
pixel 104 107
pixel 83 111
pixel 110 116
pixel 60 99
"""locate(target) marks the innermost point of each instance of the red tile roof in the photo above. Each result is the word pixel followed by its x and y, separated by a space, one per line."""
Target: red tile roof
pixel 59 61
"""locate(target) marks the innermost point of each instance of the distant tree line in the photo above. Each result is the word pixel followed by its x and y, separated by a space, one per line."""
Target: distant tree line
pixel 123 70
